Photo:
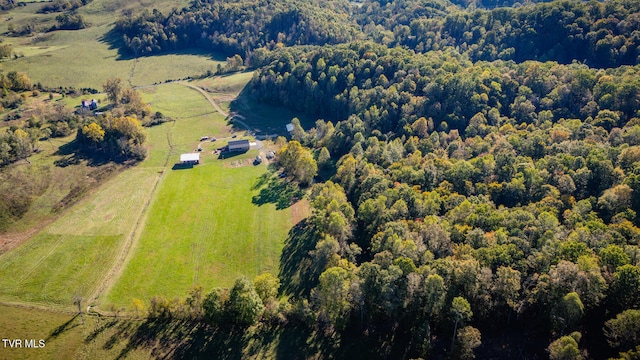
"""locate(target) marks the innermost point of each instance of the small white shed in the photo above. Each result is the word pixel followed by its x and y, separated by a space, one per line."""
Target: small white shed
pixel 190 158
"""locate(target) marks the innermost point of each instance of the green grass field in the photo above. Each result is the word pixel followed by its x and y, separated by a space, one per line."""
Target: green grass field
pixel 76 252
pixel 47 184
pixel 201 226
pixel 265 119
pixel 83 58
pixel 204 229
pixel 72 255
pixel 226 84
pixel 141 231
pixel 65 335
pixel 68 336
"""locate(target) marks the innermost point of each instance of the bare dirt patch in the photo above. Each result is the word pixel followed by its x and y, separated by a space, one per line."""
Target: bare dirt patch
pixel 238 163
pixel 11 241
pixel 224 97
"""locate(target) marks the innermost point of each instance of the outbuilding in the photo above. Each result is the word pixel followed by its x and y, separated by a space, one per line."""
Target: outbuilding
pixel 190 159
pixel 238 146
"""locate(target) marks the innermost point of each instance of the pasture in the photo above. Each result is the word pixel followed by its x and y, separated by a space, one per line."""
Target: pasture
pixel 174 228
pixel 82 59
pixel 265 119
pixel 71 256
pixel 202 226
pixel 226 84
pixel 86 58
pixel 74 253
pixel 131 232
pixel 66 335
pixel 45 186
pixel 203 229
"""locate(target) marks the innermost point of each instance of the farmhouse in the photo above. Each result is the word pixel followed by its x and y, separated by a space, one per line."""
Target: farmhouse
pixel 238 146
pixel 190 158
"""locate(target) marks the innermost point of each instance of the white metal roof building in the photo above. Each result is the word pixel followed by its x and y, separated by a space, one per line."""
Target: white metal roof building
pixel 190 158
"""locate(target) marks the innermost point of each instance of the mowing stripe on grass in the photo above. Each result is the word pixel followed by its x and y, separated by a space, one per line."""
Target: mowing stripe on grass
pixel 204 229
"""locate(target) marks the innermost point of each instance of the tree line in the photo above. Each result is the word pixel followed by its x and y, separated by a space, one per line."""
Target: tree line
pixel 62 5
pixel 389 89
pixel 236 27
pixel 600 34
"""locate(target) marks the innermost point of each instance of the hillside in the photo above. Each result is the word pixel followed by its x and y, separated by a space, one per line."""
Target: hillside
pixel 456 179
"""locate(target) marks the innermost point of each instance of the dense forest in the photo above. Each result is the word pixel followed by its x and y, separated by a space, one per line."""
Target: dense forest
pixel 237 27
pixel 600 34
pixel 509 187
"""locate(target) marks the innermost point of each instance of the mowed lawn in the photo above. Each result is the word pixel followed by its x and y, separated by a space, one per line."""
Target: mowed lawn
pixel 203 229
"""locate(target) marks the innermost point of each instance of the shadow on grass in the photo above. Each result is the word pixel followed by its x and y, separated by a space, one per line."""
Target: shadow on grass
pixel 276 191
pixel 100 329
pixel 266 118
pixel 262 180
pixel 182 166
pixel 63 328
pixel 74 154
pixel 229 154
pixel 181 339
pixel 115 41
pixel 297 275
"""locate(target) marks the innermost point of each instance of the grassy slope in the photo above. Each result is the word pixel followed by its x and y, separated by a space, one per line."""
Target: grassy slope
pixel 72 255
pixel 77 250
pixel 69 257
pixel 265 119
pixel 202 227
pixel 66 336
pixel 69 337
pixel 42 171
pixel 82 58
pixel 226 84
pixel 46 183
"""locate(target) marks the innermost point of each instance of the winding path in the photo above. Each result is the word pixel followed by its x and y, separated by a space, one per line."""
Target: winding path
pixel 217 107
pixel 206 95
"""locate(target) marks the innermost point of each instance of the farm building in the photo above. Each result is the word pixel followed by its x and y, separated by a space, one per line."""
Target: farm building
pixel 289 128
pixel 190 158
pixel 238 145
pixel 89 104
